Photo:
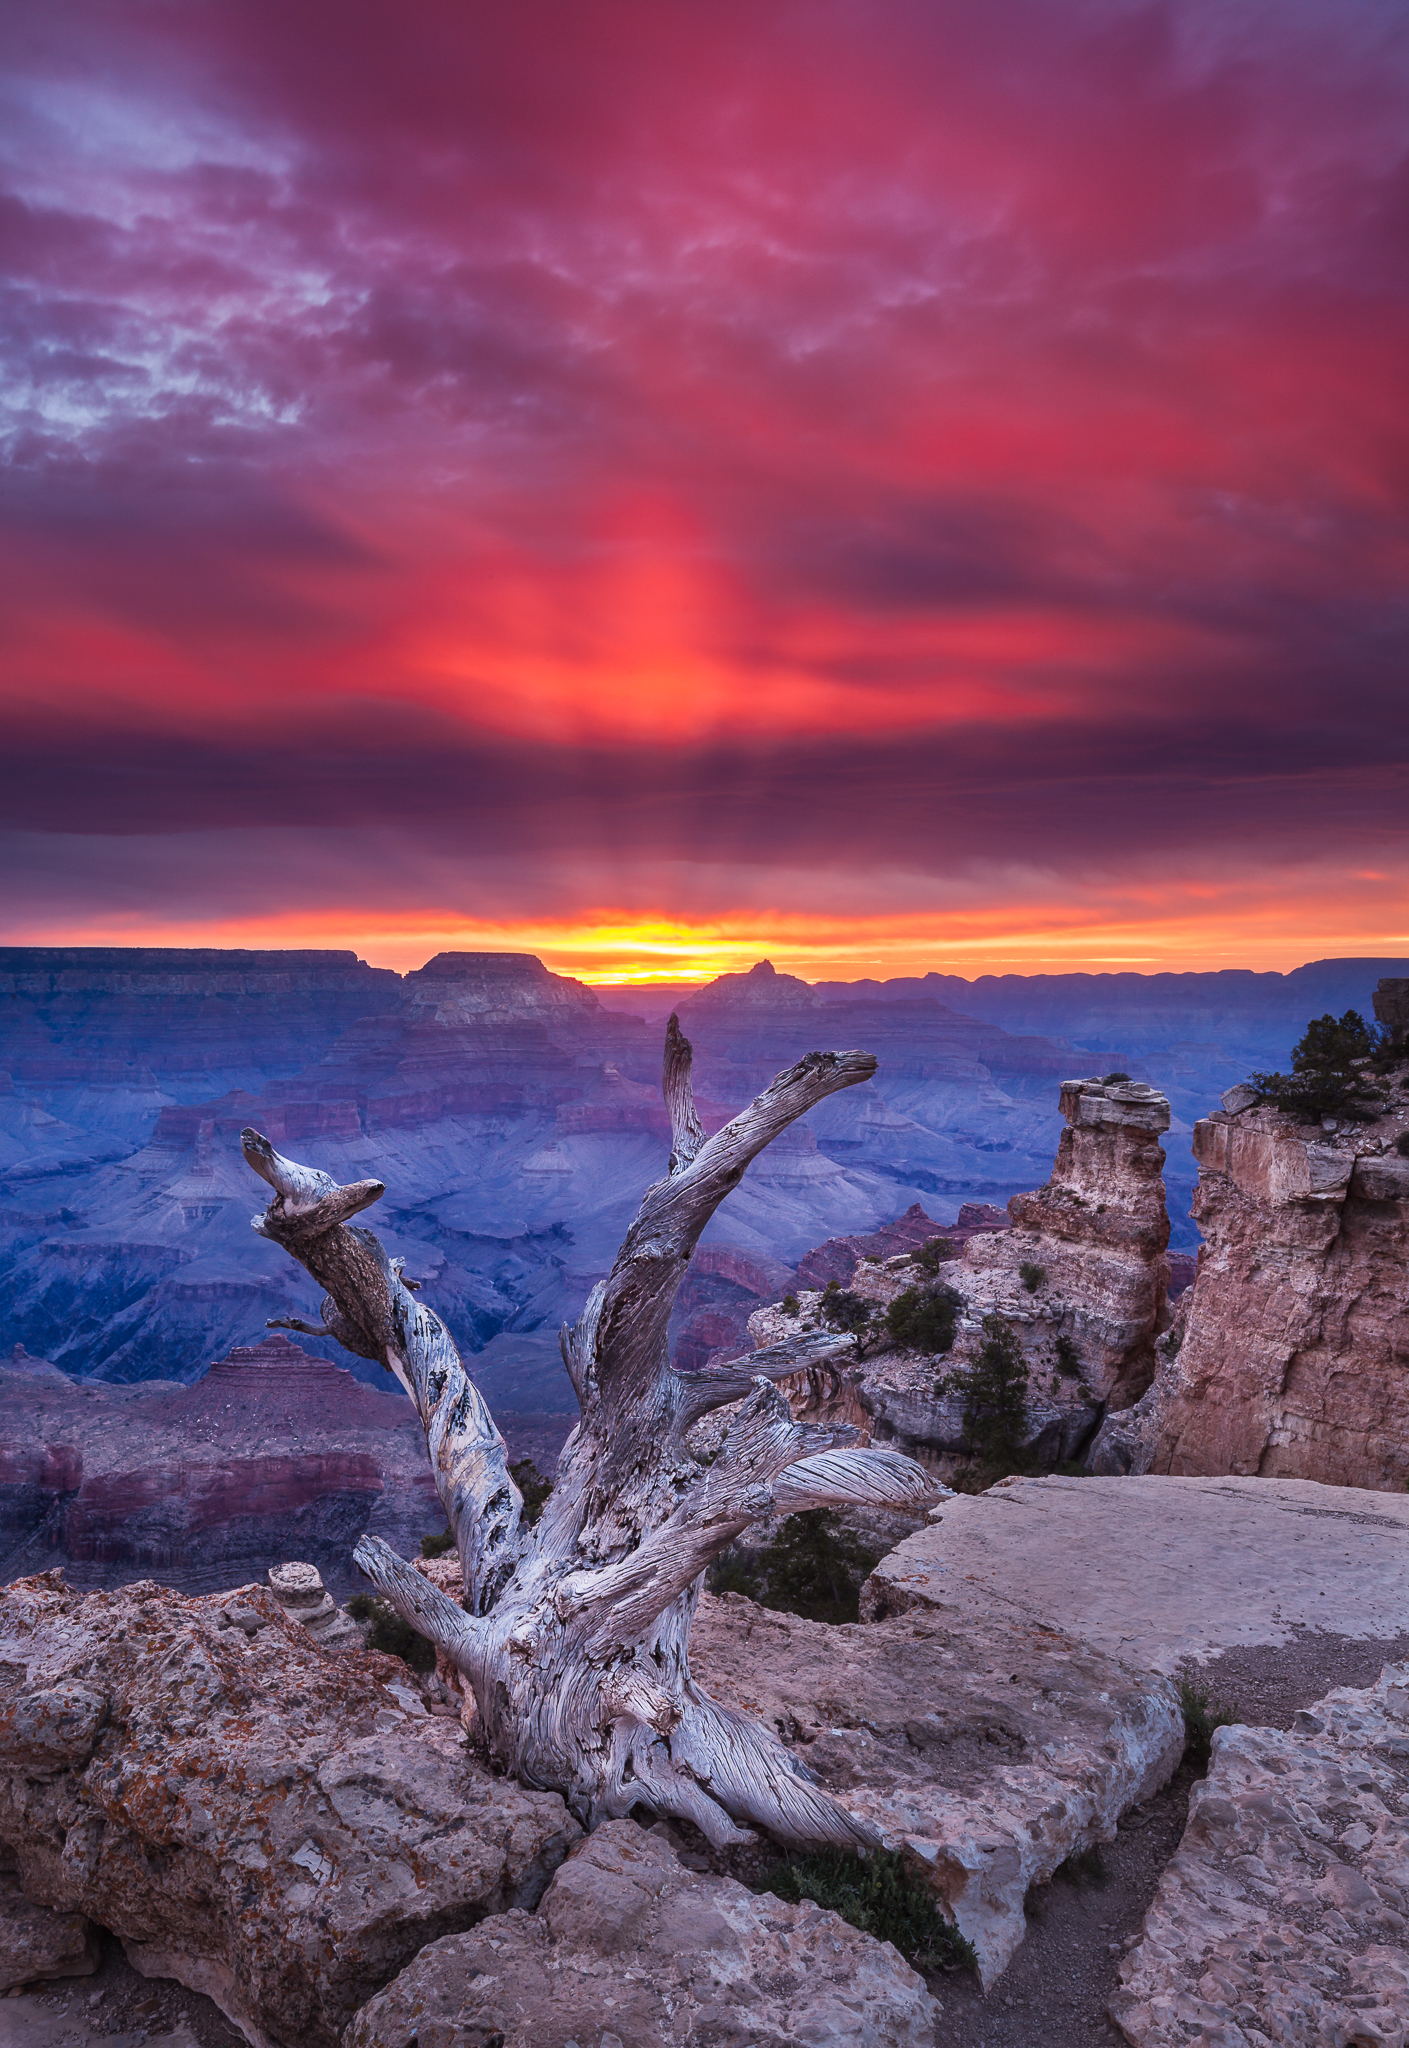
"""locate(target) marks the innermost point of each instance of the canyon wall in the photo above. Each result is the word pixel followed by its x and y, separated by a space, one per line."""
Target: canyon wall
pixel 274 1453
pixel 1294 1359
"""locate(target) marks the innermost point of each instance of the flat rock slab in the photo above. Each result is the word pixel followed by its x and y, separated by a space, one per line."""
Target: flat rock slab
pixel 992 1745
pixel 631 1950
pixel 1160 1571
pixel 271 1824
pixel 1283 1919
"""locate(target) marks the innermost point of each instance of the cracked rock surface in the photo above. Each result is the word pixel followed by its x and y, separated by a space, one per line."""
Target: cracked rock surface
pixel 268 1823
pixel 631 1948
pixel 1283 1919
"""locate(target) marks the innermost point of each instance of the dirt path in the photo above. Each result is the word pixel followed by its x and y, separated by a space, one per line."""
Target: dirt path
pixel 1053 1993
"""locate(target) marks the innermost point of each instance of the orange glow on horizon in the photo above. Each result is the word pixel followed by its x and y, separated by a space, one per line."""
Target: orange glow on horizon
pixel 617 951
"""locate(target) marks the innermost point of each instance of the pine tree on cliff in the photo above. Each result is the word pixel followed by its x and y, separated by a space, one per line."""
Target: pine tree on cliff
pixel 1331 1070
pixel 574 1633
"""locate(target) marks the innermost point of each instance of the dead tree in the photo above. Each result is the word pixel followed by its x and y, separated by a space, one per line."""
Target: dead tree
pixel 574 1634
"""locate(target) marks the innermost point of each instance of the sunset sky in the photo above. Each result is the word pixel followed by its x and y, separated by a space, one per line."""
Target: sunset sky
pixel 886 485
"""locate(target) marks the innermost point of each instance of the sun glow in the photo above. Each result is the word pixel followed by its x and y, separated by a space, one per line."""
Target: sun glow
pixel 622 951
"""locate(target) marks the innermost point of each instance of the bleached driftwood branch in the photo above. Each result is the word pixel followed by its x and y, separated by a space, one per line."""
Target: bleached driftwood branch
pixel 575 1634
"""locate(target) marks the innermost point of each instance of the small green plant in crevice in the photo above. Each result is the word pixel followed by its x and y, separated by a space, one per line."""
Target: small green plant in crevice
pixel 933 1253
pixel 389 1633
pixel 437 1545
pixel 1068 1359
pixel 1031 1275
pixel 789 1304
pixel 923 1319
pixel 882 1896
pixel 1202 1716
pixel 534 1488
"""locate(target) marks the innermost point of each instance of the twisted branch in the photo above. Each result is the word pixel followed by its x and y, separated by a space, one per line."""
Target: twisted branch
pixel 370 1309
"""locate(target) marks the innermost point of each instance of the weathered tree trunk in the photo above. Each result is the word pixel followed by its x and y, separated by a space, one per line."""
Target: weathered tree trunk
pixel 574 1635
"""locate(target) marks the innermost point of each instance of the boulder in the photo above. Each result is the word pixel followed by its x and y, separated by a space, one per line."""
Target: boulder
pixel 1283 1919
pixel 990 1745
pixel 271 1824
pixel 632 1950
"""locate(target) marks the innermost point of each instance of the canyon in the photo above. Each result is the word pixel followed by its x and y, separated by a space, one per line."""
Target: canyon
pixel 515 1116
pixel 273 1453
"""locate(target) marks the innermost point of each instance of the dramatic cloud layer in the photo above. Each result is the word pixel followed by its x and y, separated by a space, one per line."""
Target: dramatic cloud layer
pixel 899 484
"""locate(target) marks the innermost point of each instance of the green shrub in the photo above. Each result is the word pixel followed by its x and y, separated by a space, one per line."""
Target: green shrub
pixel 882 1896
pixel 789 1305
pixel 1032 1276
pixel 933 1253
pixel 843 1310
pixel 1201 1716
pixel 1328 1076
pixel 436 1546
pixel 1068 1359
pixel 389 1633
pixel 1111 1079
pixel 814 1566
pixel 923 1319
pixel 730 1573
pixel 533 1486
pixel 995 1395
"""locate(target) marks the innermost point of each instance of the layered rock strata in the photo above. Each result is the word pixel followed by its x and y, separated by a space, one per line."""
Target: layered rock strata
pixel 1294 1359
pixel 630 1947
pixel 990 1746
pixel 1081 1277
pixel 274 1826
pixel 273 1453
pixel 1283 1919
pixel 839 1257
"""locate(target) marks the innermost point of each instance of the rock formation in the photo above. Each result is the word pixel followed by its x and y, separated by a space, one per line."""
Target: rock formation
pixel 1283 1915
pixel 300 1591
pixel 1294 1353
pixel 1163 1572
pixel 270 1824
pixel 1081 1276
pixel 37 1944
pixel 630 1947
pixel 839 1257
